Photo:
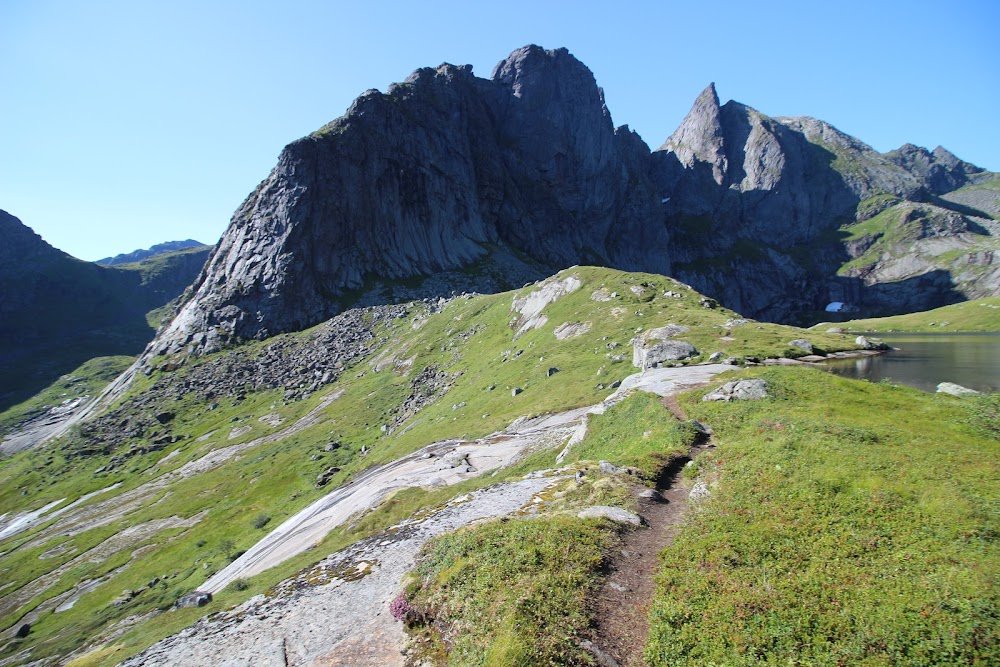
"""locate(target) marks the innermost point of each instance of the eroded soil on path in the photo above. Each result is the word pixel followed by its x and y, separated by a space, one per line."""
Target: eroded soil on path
pixel 624 600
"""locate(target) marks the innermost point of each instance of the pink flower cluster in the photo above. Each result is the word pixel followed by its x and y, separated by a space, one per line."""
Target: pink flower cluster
pixel 400 607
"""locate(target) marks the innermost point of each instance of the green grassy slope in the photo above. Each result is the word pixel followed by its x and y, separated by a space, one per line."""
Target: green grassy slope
pixel 968 316
pixel 839 531
pixel 471 340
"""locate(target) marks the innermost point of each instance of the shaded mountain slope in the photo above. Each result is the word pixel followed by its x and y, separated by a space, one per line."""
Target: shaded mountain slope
pixel 57 311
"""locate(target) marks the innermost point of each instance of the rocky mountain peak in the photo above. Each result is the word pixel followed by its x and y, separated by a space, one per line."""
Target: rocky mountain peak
pixel 442 171
pixel 939 170
pixel 20 242
pixel 700 136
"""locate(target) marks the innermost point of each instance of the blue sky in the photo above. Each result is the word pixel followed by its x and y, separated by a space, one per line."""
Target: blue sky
pixel 127 123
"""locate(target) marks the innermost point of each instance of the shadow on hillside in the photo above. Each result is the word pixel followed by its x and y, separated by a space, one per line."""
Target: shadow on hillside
pixel 35 367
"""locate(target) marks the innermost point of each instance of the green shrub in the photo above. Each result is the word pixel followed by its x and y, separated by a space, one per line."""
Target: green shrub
pixel 513 592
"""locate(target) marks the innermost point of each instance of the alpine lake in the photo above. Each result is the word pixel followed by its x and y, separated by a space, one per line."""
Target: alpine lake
pixel 922 360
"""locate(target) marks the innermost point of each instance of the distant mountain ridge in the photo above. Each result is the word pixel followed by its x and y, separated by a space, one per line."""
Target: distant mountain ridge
pixel 152 251
pixel 770 216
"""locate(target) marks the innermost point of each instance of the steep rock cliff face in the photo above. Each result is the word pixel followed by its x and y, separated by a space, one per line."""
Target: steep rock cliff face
pixel 761 209
pixel 426 178
pixel 450 182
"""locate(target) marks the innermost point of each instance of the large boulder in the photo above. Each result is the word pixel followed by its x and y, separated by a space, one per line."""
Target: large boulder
pixel 653 347
pixel 743 390
pixel 955 389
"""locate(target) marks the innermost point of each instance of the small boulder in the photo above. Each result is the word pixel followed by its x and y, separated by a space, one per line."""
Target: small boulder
pixel 743 390
pixel 193 599
pixel 955 389
pixel 164 417
pixel 608 468
pixel 655 346
pixel 802 344
pixel 23 631
pixel 613 513
pixel 870 344
pixel 699 493
pixel 515 391
pixel 552 371
pixel 652 495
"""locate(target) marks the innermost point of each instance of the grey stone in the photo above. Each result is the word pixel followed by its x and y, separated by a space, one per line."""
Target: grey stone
pixel 870 343
pixel 699 493
pixel 613 513
pixel 653 347
pixel 651 494
pixel 608 468
pixel 802 344
pixel 955 389
pixel 743 390
pixel 515 391
pixel 193 599
pixel 701 428
pixel 603 658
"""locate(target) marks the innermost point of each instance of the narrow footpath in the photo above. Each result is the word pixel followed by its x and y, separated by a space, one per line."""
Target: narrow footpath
pixel 624 600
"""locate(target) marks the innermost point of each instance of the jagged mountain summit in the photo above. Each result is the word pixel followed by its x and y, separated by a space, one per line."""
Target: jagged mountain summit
pixel 777 216
pixel 448 182
pixel 521 173
pixel 154 250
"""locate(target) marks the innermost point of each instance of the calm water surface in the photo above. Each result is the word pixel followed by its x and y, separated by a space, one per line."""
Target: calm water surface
pixel 923 360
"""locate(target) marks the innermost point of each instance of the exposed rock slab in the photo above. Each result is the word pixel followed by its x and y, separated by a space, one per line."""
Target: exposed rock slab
pixel 338 612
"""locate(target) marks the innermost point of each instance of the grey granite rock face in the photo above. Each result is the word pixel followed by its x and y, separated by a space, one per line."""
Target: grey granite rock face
pixel 448 178
pixel 755 206
pixel 700 136
pixel 428 178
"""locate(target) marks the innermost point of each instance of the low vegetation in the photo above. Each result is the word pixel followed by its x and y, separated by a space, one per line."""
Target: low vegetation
pixel 837 533
pixel 978 315
pixel 471 342
pixel 512 592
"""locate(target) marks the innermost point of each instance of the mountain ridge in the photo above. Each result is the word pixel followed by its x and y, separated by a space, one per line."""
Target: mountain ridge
pixel 446 171
pixel 57 311
pixel 144 253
